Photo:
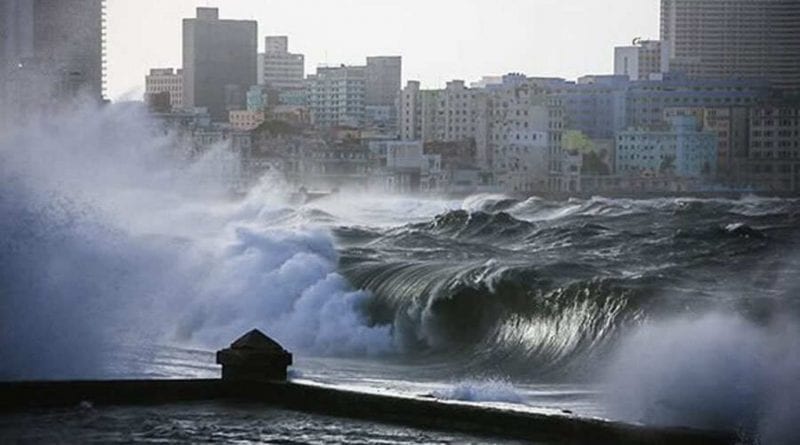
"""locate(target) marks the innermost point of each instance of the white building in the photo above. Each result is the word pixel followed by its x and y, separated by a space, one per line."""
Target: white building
pixel 166 80
pixel 278 68
pixel 525 126
pixel 403 167
pixel 639 61
pixel 454 114
pixel 337 96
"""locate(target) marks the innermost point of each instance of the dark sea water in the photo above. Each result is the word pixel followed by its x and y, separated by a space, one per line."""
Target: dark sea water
pixel 209 423
pixel 674 311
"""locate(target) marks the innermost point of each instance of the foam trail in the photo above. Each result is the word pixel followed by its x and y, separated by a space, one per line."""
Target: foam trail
pixel 718 371
pixel 111 236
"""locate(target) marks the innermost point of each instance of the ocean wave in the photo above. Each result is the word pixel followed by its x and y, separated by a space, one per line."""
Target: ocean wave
pixel 502 292
pixel 481 391
pixel 149 249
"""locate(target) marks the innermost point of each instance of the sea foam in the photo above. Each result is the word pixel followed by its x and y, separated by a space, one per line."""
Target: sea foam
pixel 112 234
pixel 717 371
pixel 491 390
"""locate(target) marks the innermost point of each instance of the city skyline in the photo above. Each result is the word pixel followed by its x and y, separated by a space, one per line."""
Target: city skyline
pixel 517 38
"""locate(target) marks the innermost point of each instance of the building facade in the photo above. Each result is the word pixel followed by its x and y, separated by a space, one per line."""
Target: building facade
pixel 519 139
pixel 773 162
pixel 246 120
pixel 281 70
pixel 417 113
pixel 734 38
pixel 166 80
pixel 382 84
pixel 219 62
pixel 403 167
pixel 337 96
pixel 51 50
pixel 594 105
pixel 647 100
pixel 731 126
pixel 638 61
pixel 683 150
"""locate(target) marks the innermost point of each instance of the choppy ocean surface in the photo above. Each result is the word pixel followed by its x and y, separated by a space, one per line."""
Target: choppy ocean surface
pixel 209 423
pixel 674 311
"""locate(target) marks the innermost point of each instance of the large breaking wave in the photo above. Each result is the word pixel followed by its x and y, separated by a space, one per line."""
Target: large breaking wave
pixel 113 235
pixel 537 288
pixel 684 309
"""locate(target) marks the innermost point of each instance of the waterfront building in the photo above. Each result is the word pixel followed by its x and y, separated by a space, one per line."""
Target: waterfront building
pixel 455 114
pixel 683 150
pixel 731 126
pixel 219 62
pixel 409 112
pixel 404 167
pixel 773 161
pixel 594 105
pixel 525 125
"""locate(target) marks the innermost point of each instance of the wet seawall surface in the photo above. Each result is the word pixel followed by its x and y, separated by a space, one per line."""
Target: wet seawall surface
pixel 414 412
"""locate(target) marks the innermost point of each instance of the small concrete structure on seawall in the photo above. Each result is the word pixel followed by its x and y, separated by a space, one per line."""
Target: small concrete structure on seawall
pixel 254 357
pixel 254 370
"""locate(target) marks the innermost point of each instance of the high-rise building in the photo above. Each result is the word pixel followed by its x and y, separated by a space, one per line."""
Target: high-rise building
pixel 382 87
pixel 384 77
pixel 638 61
pixel 165 80
pixel 734 38
pixel 417 113
pixel 219 62
pixel 337 96
pixel 50 50
pixel 281 70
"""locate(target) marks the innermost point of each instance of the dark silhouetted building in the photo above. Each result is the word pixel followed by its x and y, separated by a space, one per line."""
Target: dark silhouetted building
pixel 382 85
pixel 219 62
pixel 50 50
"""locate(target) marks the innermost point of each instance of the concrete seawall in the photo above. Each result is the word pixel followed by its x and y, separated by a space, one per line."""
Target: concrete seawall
pixel 416 412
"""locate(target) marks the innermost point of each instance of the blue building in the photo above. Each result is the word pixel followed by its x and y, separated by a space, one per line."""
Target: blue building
pixel 682 150
pixel 595 105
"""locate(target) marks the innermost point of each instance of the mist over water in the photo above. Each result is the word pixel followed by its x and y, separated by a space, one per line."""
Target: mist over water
pixel 715 371
pixel 112 236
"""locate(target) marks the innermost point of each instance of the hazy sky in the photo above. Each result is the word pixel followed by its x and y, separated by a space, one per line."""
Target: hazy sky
pixel 438 39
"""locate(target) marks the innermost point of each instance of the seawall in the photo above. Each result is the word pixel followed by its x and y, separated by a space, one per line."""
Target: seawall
pixel 416 412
